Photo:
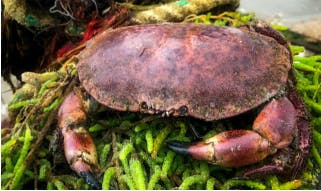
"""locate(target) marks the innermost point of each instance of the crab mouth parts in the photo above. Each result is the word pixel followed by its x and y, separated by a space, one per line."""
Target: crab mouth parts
pixel 152 109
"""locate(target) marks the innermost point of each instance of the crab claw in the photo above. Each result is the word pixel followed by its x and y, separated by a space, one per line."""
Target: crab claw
pixel 273 129
pixel 277 122
pixel 80 150
pixel 230 148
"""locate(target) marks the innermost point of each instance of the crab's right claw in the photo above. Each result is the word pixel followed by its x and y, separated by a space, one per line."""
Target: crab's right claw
pixel 79 147
pixel 230 148
pixel 80 152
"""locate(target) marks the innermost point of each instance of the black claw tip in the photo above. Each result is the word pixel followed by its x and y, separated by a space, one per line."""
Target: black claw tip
pixel 179 147
pixel 91 179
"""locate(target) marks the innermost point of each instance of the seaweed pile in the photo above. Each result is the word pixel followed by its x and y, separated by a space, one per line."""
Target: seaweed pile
pixel 132 146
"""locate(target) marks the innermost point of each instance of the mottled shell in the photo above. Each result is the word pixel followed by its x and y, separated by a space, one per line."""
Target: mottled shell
pixel 213 72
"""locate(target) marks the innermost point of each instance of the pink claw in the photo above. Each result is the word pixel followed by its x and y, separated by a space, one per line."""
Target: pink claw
pixel 273 129
pixel 230 148
pixel 277 122
pixel 80 150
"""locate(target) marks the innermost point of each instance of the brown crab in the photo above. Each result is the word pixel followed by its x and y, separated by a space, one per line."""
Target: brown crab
pixel 203 71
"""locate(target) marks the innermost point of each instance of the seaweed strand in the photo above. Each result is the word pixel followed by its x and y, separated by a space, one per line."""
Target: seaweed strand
pixel 154 178
pixel 137 174
pixel 20 165
pixel 109 173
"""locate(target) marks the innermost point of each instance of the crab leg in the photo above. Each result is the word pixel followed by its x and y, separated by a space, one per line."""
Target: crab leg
pixel 273 129
pixel 80 150
pixel 294 159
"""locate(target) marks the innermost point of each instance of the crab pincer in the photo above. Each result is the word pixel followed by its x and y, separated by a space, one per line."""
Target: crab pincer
pixel 79 147
pixel 273 129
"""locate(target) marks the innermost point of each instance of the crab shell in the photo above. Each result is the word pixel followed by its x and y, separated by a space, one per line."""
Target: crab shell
pixel 203 71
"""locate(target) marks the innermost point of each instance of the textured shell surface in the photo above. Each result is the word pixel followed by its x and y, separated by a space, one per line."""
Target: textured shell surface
pixel 212 72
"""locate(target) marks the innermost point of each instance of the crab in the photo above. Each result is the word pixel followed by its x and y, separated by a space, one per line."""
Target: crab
pixel 202 71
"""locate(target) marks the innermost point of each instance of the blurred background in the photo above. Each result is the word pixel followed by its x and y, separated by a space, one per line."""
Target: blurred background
pixel 302 16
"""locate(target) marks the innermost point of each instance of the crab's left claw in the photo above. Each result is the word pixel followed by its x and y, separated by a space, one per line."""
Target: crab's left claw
pixel 79 147
pixel 274 128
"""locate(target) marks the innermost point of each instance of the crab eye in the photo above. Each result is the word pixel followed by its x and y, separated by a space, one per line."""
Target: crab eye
pixel 143 105
pixel 182 110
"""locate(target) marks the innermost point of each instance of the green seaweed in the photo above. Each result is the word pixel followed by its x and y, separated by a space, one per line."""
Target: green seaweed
pixel 240 183
pixel 44 170
pixel 168 160
pixel 109 173
pixel 138 174
pixel 159 140
pixel 149 141
pixel 190 180
pixel 20 167
pixel 210 184
pixel 316 155
pixel 59 184
pixel 104 153
pixel 130 183
pixel 154 177
pixel 6 148
pixel 44 86
pixel 53 105
pixel 23 104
